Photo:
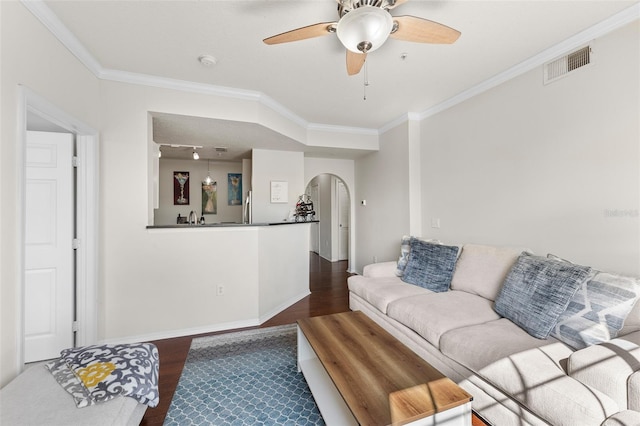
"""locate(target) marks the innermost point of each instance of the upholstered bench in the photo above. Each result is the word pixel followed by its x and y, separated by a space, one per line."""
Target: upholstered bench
pixel 34 397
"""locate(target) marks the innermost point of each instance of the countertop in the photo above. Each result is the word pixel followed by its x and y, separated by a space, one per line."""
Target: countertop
pixel 225 225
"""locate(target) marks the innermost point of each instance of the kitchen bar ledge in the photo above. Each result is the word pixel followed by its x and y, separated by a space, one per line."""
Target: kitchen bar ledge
pixel 226 224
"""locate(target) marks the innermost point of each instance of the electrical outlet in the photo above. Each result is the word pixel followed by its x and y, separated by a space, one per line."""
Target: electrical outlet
pixel 220 290
pixel 375 259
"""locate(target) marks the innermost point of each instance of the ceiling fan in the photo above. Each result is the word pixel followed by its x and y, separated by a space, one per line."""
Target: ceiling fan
pixel 364 25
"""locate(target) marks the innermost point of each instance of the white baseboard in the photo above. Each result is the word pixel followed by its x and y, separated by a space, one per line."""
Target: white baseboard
pixel 283 306
pixel 208 328
pixel 183 332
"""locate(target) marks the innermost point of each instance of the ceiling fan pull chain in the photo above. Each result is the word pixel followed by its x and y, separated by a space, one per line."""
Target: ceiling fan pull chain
pixel 366 80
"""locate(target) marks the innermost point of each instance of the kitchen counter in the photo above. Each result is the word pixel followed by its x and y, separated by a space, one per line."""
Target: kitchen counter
pixel 225 225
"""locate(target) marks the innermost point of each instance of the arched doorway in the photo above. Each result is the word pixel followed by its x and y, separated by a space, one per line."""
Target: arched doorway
pixel 330 237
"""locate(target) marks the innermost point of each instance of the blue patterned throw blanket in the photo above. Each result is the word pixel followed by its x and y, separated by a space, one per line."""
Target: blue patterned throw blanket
pixel 96 374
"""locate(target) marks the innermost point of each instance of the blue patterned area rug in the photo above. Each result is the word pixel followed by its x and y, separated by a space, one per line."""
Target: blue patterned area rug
pixel 244 378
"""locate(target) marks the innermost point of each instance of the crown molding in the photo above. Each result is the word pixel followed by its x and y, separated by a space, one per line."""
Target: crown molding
pixel 610 24
pixel 175 84
pixel 69 40
pixel 330 128
pixel 50 20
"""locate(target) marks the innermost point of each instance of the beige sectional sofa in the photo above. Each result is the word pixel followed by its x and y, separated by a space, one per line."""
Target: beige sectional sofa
pixel 515 378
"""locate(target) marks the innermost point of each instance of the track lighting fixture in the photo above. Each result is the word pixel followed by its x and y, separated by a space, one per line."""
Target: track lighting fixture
pixel 195 154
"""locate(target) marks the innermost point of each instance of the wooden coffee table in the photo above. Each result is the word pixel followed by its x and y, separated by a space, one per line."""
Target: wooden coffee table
pixel 358 373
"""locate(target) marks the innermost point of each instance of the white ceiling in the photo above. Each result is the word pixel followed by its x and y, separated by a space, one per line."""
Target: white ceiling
pixel 308 78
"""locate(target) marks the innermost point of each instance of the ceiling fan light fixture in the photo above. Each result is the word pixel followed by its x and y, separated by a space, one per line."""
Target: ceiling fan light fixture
pixel 364 29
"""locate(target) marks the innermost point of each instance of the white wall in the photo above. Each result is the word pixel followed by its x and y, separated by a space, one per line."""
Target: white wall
pixel 382 180
pixel 29 56
pixel 167 212
pixel 283 267
pixel 269 166
pixel 545 167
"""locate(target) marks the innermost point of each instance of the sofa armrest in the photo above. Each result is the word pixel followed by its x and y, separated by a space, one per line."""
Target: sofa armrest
pixel 623 418
pixel 634 391
pixel 382 269
pixel 611 368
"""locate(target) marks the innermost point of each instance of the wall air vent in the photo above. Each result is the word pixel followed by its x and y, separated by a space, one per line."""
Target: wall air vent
pixel 562 66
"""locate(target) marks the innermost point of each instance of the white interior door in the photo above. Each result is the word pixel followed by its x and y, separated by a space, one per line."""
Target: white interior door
pixel 49 264
pixel 343 218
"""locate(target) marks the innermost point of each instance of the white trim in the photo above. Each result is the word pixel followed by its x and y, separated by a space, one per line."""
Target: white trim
pixel 277 107
pixel 284 305
pixel 87 220
pixel 51 21
pixel 398 121
pixel 19 215
pixel 342 129
pixel 87 213
pixel 182 332
pixel 66 37
pixel 175 84
pixel 614 22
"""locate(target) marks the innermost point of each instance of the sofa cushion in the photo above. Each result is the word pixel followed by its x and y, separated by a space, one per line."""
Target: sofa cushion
pixel 537 290
pixel 482 269
pixel 535 378
pixel 431 315
pixel 597 311
pixel 477 346
pixel 430 265
pixel 381 291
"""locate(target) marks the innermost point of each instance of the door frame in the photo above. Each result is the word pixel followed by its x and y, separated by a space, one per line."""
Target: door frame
pixel 338 207
pixel 87 198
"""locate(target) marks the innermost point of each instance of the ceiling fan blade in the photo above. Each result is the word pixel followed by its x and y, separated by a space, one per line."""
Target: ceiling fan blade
pixel 412 28
pixel 310 31
pixel 355 61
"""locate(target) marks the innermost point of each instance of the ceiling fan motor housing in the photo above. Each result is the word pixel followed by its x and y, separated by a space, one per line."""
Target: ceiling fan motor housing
pixel 345 6
pixel 365 28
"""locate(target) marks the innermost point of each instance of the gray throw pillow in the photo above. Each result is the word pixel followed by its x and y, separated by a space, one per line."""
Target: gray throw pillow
pixel 597 310
pixel 404 255
pixel 430 265
pixel 537 291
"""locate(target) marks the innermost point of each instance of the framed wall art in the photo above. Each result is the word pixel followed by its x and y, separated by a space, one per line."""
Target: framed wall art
pixel 209 198
pixel 279 191
pixel 180 188
pixel 234 181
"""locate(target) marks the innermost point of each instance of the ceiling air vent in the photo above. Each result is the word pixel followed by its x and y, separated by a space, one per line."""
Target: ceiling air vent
pixel 221 149
pixel 562 66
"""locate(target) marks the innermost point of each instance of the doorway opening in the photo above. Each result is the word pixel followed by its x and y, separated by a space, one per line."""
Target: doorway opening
pixel 36 113
pixel 330 236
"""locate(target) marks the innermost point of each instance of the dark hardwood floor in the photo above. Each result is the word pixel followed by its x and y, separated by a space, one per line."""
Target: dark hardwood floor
pixel 329 294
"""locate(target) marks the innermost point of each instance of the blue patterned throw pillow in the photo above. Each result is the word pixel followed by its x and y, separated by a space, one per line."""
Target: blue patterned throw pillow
pixel 430 265
pixel 597 310
pixel 537 291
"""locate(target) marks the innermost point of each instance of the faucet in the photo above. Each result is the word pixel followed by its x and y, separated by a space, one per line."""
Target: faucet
pixel 192 218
